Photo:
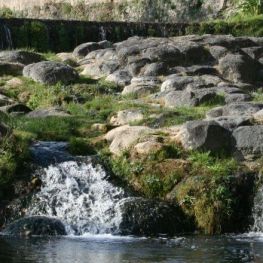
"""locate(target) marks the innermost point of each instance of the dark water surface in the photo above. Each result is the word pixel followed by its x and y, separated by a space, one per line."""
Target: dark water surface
pixel 114 250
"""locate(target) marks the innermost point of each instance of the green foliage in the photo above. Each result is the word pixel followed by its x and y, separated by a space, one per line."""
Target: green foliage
pixel 251 7
pixel 13 155
pixel 80 146
pixel 237 26
pixel 6 13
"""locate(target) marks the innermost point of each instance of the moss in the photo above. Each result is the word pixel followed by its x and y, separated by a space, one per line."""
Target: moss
pixel 237 26
pixel 199 182
pixel 14 155
pixel 80 146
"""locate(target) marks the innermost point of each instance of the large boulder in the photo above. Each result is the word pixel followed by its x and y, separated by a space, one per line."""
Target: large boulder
pixel 142 86
pixel 239 68
pixel 126 117
pixel 36 226
pixel 235 109
pixel 20 57
pixel 120 78
pixel 143 217
pixel 188 97
pixel 85 48
pixel 50 73
pixel 248 142
pixel 206 136
pixel 176 82
pixel 123 137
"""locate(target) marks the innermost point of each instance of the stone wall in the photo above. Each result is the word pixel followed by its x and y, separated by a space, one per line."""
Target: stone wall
pixel 121 10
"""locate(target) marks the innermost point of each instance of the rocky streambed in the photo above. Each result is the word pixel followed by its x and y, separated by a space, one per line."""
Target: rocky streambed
pixel 178 120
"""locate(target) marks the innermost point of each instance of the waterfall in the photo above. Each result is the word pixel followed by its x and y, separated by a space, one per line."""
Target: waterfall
pixel 78 193
pixel 103 33
pixel 6 38
pixel 258 211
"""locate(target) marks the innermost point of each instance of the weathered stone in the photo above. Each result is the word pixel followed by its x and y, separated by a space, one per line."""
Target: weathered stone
pixel 239 68
pixel 126 117
pixel 175 82
pixel 248 142
pixel 235 109
pixel 49 112
pixel 142 86
pixel 15 109
pixel 148 147
pixel 258 116
pixel 4 100
pixel 169 54
pixel 189 97
pixel 120 78
pixel 206 136
pixel 67 58
pixel 237 97
pixel 155 69
pixel 48 72
pixel 36 226
pixel 20 57
pixel 233 122
pixel 85 48
pixel 218 52
pixel 123 137
pixel 152 218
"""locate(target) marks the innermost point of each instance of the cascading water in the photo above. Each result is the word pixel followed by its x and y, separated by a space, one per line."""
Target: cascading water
pixel 6 37
pixel 103 33
pixel 77 193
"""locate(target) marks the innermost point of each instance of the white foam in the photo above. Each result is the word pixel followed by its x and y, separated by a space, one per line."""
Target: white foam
pixel 79 195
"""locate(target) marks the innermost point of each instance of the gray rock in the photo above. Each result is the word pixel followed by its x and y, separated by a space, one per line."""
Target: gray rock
pixel 195 70
pixel 205 136
pixel 237 97
pixel 20 57
pixel 169 54
pixel 189 97
pixel 194 53
pixel 85 48
pixel 135 66
pixel 4 100
pixel 218 52
pixel 235 109
pixel 50 73
pixel 50 112
pixel 232 122
pixel 254 52
pixel 142 86
pixel 126 117
pixel 123 137
pixel 248 142
pixel 239 68
pixel 155 69
pixel 143 217
pixel 15 109
pixel 175 82
pixel 36 226
pixel 120 78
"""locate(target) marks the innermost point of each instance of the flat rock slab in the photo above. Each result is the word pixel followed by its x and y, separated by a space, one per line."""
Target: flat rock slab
pixel 50 73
